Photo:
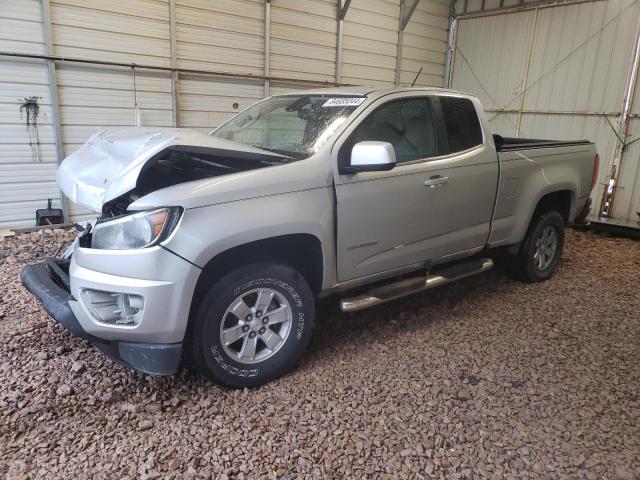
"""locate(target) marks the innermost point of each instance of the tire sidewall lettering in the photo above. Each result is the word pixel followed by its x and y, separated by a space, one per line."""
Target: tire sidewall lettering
pixel 218 357
pixel 270 282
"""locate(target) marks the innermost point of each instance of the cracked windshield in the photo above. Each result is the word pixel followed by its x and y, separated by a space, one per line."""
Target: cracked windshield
pixel 296 126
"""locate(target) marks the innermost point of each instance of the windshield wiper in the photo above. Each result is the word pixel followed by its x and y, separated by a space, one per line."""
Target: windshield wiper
pixel 287 156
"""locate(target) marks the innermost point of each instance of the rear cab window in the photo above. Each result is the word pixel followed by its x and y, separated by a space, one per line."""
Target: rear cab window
pixel 461 125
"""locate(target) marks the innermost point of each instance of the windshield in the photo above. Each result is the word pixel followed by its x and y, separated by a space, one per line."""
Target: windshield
pixel 293 125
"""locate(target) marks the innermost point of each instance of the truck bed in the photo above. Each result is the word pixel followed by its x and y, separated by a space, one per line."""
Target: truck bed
pixel 506 144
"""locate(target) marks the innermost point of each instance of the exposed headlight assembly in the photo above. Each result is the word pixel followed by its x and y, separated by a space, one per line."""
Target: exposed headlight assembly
pixel 138 230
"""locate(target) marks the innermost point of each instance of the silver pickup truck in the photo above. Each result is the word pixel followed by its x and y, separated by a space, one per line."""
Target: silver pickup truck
pixel 214 247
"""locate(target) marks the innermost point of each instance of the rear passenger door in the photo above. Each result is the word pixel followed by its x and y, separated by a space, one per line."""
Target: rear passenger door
pixel 470 165
pixel 434 204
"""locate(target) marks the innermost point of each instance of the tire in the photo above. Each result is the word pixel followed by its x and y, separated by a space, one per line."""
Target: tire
pixel 257 356
pixel 534 263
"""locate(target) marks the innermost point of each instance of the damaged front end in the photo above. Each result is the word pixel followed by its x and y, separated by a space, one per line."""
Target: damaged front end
pixel 123 289
pixel 118 166
pixel 180 164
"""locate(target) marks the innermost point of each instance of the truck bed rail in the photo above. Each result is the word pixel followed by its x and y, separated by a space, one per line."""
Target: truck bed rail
pixel 506 144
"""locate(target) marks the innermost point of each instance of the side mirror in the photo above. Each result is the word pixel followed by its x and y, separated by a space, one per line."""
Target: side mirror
pixel 371 156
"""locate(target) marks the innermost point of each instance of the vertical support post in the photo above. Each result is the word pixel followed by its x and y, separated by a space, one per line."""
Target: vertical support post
pixel 339 51
pixel 175 75
pixel 339 39
pixel 267 46
pixel 451 52
pixel 609 194
pixel 396 80
pixel 341 13
pixel 53 93
pixel 405 16
pixel 525 80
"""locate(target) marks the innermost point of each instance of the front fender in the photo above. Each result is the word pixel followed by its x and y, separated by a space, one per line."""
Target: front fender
pixel 208 231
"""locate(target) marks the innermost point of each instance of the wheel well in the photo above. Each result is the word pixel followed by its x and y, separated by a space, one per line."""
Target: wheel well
pixel 559 201
pixel 301 251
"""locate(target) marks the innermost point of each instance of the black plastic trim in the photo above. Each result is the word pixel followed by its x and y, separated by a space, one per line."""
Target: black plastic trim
pixel 55 299
pixel 581 218
pixel 59 271
pixel 149 358
pixel 507 144
pixel 373 167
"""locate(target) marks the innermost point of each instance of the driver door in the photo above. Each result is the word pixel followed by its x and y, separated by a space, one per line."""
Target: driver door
pixel 407 216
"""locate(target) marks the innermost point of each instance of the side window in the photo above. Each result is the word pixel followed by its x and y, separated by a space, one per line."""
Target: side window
pixel 461 122
pixel 407 124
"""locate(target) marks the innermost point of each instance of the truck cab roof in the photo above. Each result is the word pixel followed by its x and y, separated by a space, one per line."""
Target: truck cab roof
pixel 370 91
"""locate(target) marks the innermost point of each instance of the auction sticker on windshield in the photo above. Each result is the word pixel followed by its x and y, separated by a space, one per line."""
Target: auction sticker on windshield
pixel 344 102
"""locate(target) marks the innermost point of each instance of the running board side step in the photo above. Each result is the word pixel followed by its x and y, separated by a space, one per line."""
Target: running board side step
pixel 408 286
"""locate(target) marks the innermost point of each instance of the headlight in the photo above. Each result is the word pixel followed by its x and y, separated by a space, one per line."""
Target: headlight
pixel 137 230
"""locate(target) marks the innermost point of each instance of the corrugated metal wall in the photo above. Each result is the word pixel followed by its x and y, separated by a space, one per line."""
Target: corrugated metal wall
pixel 210 35
pixel 424 41
pixel 573 63
pixel 224 36
pixel 370 42
pixel 467 6
pixel 303 39
pixel 630 170
pixel 27 155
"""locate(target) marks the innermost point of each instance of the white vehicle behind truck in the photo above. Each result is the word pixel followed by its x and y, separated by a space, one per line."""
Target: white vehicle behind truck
pixel 213 248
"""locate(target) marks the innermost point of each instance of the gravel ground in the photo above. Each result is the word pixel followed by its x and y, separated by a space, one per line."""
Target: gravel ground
pixel 485 378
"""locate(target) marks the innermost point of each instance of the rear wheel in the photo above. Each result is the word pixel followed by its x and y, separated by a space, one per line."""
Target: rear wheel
pixel 541 250
pixel 252 325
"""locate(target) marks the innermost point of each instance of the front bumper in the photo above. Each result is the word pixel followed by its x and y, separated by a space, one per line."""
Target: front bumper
pixel 49 283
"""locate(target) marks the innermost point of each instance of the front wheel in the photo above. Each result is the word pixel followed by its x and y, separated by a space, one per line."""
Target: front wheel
pixel 541 250
pixel 252 326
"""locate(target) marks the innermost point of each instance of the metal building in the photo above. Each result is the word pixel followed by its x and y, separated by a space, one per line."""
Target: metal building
pixel 549 69
pixel 190 63
pixel 559 70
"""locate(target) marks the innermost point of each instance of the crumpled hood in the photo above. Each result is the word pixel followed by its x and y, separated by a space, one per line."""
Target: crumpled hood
pixel 109 163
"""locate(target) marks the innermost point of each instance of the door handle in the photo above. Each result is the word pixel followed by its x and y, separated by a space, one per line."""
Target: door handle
pixel 436 181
